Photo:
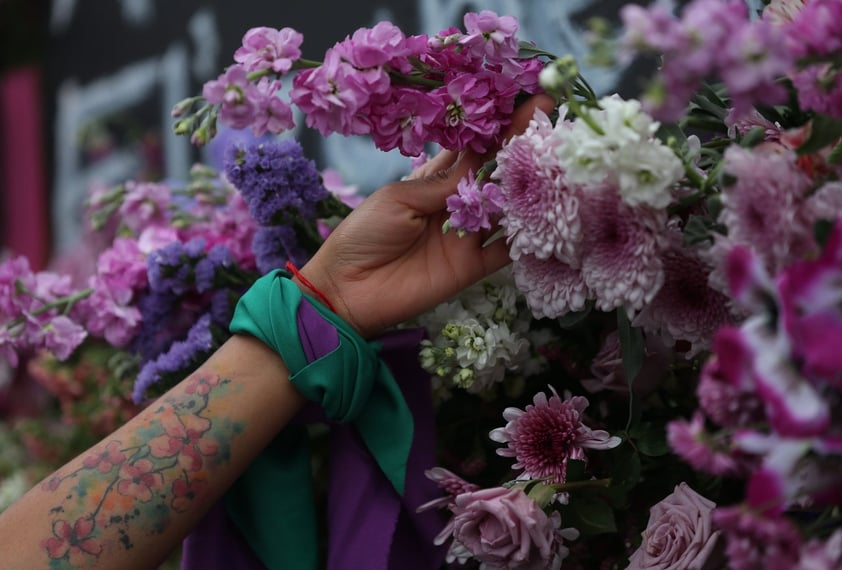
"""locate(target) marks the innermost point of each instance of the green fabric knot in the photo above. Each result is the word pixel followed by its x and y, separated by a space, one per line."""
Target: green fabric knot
pixel 272 502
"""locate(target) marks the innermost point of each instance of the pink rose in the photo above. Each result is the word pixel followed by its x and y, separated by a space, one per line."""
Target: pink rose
pixel 679 535
pixel 503 528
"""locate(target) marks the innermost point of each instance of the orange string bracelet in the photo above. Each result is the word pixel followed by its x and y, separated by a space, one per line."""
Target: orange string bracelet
pixel 290 266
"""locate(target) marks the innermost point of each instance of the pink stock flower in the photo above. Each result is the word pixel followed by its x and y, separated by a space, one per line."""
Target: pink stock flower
pixel 402 118
pixel 781 12
pixel 109 317
pixel 235 94
pixel 821 554
pixel 505 529
pixel 145 204
pixel 332 95
pixel 385 43
pixel 691 442
pixel 492 35
pixel 268 48
pixel 474 207
pixel 726 389
pixel 679 534
pixel 548 433
pixel 272 114
pixel 184 437
pixel 122 269
pixel 61 336
pixel 551 287
pixel 756 542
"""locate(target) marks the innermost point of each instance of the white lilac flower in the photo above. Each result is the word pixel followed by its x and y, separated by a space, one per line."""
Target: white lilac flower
pixel 540 212
pixel 626 153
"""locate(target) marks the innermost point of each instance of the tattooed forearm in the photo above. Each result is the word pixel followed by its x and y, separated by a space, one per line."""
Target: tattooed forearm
pixel 131 485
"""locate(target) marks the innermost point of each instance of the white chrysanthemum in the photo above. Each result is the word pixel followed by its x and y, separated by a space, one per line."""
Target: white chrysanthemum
pixel 540 212
pixel 626 154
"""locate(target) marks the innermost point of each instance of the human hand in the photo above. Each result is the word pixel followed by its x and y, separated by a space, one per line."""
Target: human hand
pixel 389 260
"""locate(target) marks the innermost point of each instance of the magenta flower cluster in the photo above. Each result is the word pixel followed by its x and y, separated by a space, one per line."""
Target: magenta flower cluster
pixel 456 88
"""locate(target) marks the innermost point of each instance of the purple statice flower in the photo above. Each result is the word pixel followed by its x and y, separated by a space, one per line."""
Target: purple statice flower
pixel 269 48
pixel 171 267
pixel 276 180
pixel 333 94
pixel 474 207
pixel 158 312
pixel 540 212
pixel 275 245
pixel 222 306
pixel 206 268
pixel 402 118
pixel 231 226
pixel 273 114
pixel 545 435
pixel 552 288
pixel 477 106
pixel 621 259
pixel 685 307
pixel 145 204
pixel 491 35
pixel 236 96
pixel 180 357
pixel 755 541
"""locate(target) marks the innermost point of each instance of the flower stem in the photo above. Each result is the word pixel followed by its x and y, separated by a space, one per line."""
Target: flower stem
pixel 574 485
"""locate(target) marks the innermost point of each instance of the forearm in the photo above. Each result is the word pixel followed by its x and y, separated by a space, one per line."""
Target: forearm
pixel 127 502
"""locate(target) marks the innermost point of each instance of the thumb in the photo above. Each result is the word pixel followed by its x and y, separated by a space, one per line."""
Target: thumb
pixel 428 193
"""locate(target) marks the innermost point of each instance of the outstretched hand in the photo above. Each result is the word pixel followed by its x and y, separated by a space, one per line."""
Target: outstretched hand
pixel 389 260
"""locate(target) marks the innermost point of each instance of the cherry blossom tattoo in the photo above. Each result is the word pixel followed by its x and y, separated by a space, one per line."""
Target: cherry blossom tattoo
pixel 135 485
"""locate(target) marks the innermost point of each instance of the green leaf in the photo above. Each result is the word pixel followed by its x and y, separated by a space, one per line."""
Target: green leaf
pixel 652 439
pixel 754 137
pixel 528 50
pixel 576 471
pixel 821 231
pixel 589 515
pixel 825 130
pixel 697 230
pixel 669 131
pixel 631 346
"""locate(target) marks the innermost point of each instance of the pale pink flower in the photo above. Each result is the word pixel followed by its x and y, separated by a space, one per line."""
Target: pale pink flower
pixel 781 12
pixel 492 35
pixel 268 48
pixel 551 287
pixel 505 529
pixel 679 534
pixel 474 207
pixel 540 213
pixel 822 554
pixel 235 95
pixel 548 433
pixel 272 114
pixel 145 204
pixel 106 316
pixel 621 253
pixel 402 118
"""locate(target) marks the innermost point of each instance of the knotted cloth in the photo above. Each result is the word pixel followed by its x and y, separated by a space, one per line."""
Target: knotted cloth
pixel 272 503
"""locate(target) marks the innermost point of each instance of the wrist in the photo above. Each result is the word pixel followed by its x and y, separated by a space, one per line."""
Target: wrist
pixel 322 290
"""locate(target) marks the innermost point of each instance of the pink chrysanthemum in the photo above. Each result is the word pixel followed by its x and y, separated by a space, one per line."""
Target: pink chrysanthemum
pixel 621 261
pixel 540 214
pixel 685 307
pixel 548 433
pixel 552 288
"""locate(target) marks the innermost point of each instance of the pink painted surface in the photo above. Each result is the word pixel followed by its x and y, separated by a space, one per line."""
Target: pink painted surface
pixel 23 178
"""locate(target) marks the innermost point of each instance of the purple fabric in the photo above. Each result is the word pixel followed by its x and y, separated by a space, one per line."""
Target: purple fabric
pixel 370 526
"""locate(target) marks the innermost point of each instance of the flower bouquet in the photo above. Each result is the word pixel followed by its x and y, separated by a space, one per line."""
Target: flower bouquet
pixel 653 383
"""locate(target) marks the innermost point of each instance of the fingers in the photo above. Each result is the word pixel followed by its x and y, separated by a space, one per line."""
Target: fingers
pixel 524 113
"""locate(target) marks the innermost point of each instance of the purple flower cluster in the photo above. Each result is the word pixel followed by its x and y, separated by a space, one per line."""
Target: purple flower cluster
pixel 456 88
pixel 474 207
pixel 275 245
pixel 276 180
pixel 180 356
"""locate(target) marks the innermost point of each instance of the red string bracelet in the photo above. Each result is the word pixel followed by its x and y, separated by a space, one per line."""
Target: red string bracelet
pixel 290 266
